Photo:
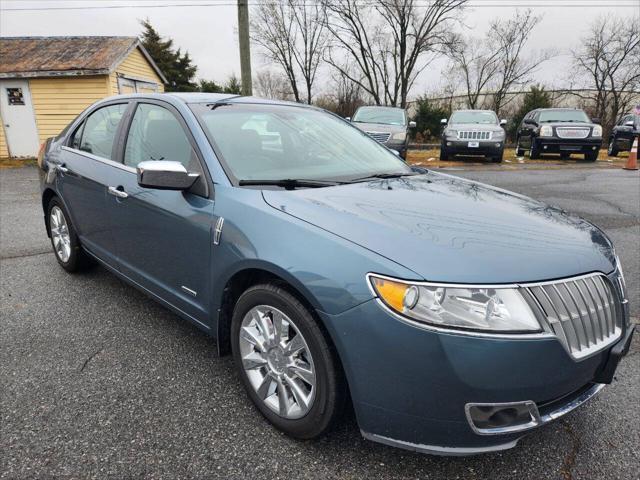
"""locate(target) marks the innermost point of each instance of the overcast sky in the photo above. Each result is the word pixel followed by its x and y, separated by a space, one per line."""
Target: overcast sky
pixel 209 33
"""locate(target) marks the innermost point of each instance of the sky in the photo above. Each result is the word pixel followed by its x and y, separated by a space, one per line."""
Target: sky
pixel 209 32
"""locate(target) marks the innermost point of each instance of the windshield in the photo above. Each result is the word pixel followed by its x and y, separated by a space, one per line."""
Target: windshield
pixel 272 142
pixel 563 116
pixel 383 115
pixel 488 118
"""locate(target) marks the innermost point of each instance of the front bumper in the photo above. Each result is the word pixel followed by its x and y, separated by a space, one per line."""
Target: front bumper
pixel 410 386
pixel 485 147
pixel 559 145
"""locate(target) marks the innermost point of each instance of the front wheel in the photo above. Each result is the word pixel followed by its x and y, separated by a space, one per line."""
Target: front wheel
pixel 519 149
pixel 287 367
pixel 535 150
pixel 444 155
pixel 613 150
pixel 591 156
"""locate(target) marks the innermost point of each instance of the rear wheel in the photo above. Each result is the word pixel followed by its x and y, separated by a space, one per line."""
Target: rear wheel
pixel 287 367
pixel 591 156
pixel 64 239
pixel 613 150
pixel 535 150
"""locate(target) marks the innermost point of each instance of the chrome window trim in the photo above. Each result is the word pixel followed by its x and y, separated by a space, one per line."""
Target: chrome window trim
pixel 106 161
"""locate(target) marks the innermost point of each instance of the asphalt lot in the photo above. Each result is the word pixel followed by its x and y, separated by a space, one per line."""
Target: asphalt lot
pixel 96 380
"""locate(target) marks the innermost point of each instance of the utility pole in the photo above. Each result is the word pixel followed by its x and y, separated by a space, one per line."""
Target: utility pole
pixel 245 52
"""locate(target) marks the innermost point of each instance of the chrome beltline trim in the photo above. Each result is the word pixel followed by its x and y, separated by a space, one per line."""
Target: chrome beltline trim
pixel 106 161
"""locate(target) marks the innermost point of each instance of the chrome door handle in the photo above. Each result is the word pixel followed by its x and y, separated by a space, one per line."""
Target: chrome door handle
pixel 61 168
pixel 117 192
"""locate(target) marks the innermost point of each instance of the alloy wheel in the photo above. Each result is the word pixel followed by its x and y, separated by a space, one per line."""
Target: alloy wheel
pixel 60 234
pixel 277 361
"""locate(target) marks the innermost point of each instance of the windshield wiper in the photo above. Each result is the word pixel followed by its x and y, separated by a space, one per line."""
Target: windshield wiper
pixel 291 183
pixel 385 175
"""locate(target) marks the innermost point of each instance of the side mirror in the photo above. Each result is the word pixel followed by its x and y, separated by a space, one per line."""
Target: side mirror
pixel 396 152
pixel 503 122
pixel 629 123
pixel 412 124
pixel 529 121
pixel 348 119
pixel 596 121
pixel 165 175
pixel 443 121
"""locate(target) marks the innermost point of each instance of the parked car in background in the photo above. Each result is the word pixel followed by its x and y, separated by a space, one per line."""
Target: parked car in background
pixel 561 131
pixel 455 316
pixel 387 125
pixel 473 132
pixel 623 134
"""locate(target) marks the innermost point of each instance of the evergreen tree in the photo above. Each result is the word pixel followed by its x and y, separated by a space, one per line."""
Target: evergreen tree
pixel 177 67
pixel 537 97
pixel 427 119
pixel 233 85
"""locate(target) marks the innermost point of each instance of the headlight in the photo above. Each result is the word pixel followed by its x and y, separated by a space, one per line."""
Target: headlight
pixel 499 135
pixel 597 131
pixel 546 131
pixel 399 136
pixel 451 133
pixel 623 282
pixel 485 309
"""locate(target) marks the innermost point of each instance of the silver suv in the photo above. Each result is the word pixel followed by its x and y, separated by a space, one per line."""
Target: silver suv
pixel 473 132
pixel 387 125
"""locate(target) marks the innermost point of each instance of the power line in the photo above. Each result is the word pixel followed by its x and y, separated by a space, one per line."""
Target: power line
pixel 227 3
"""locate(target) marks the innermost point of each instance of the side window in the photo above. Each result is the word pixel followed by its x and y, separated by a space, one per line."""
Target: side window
pixel 76 138
pixel 156 134
pixel 99 130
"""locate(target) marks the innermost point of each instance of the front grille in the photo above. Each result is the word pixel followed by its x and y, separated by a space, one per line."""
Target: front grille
pixel 464 135
pixel 583 313
pixel 381 137
pixel 565 132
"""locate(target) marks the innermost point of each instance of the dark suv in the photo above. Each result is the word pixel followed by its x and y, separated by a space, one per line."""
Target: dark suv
pixel 622 135
pixel 559 130
pixel 473 132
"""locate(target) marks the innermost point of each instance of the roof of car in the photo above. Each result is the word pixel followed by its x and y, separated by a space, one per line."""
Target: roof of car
pixel 203 97
pixel 473 110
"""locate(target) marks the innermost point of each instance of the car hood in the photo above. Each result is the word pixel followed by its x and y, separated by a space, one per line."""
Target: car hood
pixel 448 229
pixel 380 127
pixel 475 127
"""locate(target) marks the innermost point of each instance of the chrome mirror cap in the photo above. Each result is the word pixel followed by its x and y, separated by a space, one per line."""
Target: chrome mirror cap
pixel 165 175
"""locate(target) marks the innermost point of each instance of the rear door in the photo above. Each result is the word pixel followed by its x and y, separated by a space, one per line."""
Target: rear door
pixel 163 237
pixel 83 174
pixel 625 133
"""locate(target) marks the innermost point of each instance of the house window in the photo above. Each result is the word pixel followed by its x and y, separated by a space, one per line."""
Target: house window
pixel 15 96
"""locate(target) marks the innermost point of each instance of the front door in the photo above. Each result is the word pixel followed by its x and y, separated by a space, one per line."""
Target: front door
pixel 18 119
pixel 163 237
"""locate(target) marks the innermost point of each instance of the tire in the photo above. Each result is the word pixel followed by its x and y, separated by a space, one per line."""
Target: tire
pixel 591 156
pixel 565 155
pixel 498 158
pixel 519 151
pixel 444 155
pixel 534 154
pixel 64 240
pixel 266 364
pixel 613 150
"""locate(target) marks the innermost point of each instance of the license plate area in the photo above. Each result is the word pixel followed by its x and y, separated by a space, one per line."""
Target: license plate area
pixel 473 144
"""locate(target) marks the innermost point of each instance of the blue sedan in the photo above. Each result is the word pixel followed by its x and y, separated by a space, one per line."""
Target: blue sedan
pixel 456 317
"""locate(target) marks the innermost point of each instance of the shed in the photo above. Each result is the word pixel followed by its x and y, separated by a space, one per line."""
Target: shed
pixel 45 82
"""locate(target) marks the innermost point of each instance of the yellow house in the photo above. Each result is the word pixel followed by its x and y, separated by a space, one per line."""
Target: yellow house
pixel 45 82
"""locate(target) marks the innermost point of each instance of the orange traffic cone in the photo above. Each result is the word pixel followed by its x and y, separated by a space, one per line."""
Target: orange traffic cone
pixel 632 162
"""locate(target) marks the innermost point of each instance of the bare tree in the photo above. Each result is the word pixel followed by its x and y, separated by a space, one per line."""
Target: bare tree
pixel 475 63
pixel 292 34
pixel 515 68
pixel 609 59
pixel 270 84
pixel 387 42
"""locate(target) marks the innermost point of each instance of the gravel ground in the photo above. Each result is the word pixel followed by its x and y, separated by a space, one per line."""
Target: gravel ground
pixel 96 380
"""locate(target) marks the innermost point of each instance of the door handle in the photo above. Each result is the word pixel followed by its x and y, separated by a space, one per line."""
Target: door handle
pixel 61 168
pixel 117 192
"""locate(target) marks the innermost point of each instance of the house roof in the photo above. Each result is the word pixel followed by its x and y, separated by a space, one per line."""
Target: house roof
pixel 66 56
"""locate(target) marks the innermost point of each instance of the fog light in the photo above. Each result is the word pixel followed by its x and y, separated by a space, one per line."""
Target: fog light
pixel 448 144
pixel 545 147
pixel 593 148
pixel 497 418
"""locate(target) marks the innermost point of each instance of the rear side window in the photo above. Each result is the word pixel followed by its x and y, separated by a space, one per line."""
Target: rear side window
pixel 99 130
pixel 156 134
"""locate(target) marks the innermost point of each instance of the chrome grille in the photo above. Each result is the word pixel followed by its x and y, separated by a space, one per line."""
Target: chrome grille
pixel 381 137
pixel 582 312
pixel 464 135
pixel 566 132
